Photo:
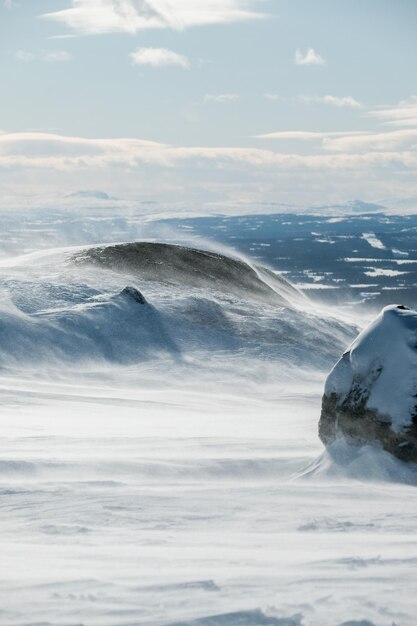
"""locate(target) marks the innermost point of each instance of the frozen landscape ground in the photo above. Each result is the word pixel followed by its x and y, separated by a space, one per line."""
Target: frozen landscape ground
pixel 160 463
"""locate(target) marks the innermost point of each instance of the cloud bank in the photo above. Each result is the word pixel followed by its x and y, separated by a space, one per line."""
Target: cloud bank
pixel 294 166
pixel 338 151
pixel 339 166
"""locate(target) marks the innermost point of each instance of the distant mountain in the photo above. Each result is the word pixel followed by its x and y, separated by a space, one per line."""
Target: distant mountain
pixel 98 195
pixel 358 206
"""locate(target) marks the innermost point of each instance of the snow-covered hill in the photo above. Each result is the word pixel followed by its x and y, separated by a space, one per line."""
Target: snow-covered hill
pixel 189 267
pixel 73 308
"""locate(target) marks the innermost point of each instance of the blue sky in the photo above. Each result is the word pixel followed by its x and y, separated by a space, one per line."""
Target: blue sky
pixel 302 101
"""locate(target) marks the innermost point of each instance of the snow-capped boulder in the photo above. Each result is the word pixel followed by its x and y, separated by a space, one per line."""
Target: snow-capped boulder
pixel 370 395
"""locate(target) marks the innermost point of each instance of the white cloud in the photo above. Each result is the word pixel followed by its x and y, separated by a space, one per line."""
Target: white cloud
pixel 131 16
pixel 307 134
pixel 397 140
pixel 221 97
pixel 344 101
pixel 402 114
pixel 272 96
pixel 53 56
pixel 158 57
pixel 354 142
pixel 309 58
pixel 408 121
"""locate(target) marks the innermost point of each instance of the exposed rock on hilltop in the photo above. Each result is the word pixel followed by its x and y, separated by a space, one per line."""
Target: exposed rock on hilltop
pixel 371 394
pixel 133 294
pixel 179 265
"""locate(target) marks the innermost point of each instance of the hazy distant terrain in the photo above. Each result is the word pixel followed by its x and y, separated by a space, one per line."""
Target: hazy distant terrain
pixel 348 259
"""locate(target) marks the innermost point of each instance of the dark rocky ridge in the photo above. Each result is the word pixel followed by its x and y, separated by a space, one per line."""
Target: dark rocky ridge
pixel 179 265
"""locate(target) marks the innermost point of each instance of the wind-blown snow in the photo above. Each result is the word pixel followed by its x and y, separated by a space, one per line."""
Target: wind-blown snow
pixel 160 464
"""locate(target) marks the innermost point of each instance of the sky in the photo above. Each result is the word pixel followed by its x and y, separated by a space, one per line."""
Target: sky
pixel 302 102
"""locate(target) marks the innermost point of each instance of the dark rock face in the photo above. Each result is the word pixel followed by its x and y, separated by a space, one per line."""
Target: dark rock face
pixel 359 426
pixel 179 265
pixel 371 394
pixel 134 294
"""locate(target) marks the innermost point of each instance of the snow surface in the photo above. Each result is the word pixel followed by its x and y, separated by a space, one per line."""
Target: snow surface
pixel 383 360
pixel 125 505
pixel 160 464
pixel 373 241
pixel 376 271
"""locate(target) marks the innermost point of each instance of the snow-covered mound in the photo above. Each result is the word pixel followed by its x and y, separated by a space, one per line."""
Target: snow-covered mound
pixel 179 265
pixel 122 328
pixel 371 394
pixel 181 305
